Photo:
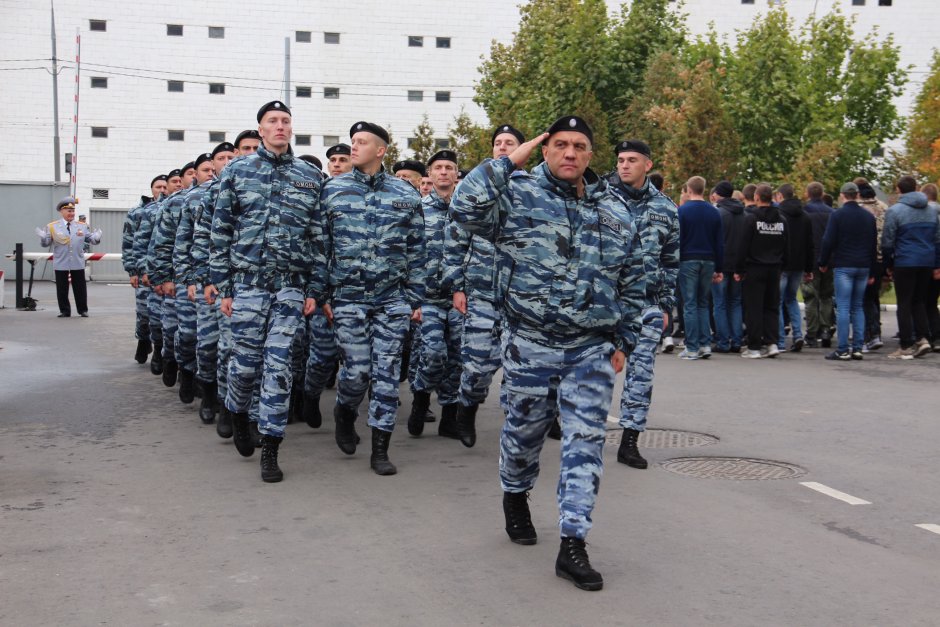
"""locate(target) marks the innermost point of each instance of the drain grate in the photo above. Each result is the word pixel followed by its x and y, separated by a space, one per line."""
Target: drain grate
pixel 734 468
pixel 665 438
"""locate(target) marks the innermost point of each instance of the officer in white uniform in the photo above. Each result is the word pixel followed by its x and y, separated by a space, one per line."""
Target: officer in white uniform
pixel 68 239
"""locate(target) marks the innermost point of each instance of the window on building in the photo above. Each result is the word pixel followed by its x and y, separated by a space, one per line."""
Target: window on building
pixel 174 85
pixel 216 32
pixel 99 82
pixel 175 135
pixel 217 88
pixel 303 91
pixel 99 131
pixel 302 36
pixel 415 96
pixel 98 193
pixel 331 38
pixel 747 1
pixel 330 140
pixel 858 3
pixel 441 144
pixel 884 3
pixel 98 25
pixel 443 42
pixel 174 30
pixel 331 92
pixel 415 41
pixel 216 137
pixel 442 96
pixel 302 140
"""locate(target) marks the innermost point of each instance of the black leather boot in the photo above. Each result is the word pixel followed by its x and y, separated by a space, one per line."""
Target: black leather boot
pixel 156 359
pixel 379 460
pixel 346 437
pixel 256 435
pixel 573 564
pixel 628 453
pixel 187 386
pixel 295 410
pixel 170 368
pixel 209 404
pixel 466 424
pixel 518 520
pixel 419 406
pixel 429 416
pixel 554 432
pixel 270 471
pixel 447 427
pixel 143 349
pixel 312 415
pixel 223 426
pixel 242 431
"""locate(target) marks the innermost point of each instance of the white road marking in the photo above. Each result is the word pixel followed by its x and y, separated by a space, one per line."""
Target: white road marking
pixel 930 527
pixel 842 496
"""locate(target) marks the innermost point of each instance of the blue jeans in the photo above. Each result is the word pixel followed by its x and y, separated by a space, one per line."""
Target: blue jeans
pixel 729 315
pixel 695 278
pixel 789 283
pixel 850 294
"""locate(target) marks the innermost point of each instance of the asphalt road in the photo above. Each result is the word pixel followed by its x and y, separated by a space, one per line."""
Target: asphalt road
pixel 117 507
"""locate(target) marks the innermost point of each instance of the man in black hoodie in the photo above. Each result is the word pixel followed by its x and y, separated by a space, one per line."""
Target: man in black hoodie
pixel 762 253
pixel 801 260
pixel 726 296
pixel 818 293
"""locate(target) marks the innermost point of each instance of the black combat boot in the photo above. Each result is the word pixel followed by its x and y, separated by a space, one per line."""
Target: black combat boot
pixel 518 521
pixel 419 406
pixel 295 410
pixel 554 432
pixel 242 431
pixel 256 435
pixel 573 564
pixel 209 404
pixel 143 349
pixel 187 386
pixel 447 427
pixel 312 415
pixel 379 460
pixel 156 359
pixel 170 368
pixel 346 437
pixel 429 416
pixel 466 424
pixel 223 426
pixel 628 453
pixel 270 471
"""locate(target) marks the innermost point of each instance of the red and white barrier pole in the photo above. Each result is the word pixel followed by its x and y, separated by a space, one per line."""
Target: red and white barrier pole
pixel 78 54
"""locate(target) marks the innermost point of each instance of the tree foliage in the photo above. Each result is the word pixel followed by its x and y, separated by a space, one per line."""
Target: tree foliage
pixel 393 153
pixel 470 141
pixel 923 136
pixel 423 145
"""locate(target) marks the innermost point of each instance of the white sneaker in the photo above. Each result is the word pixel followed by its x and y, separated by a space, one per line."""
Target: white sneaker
pixel 750 354
pixel 771 350
pixel 668 344
pixel 688 355
pixel 922 347
pixel 705 352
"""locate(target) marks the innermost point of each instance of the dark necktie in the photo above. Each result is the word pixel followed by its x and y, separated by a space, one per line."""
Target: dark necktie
pixel 68 227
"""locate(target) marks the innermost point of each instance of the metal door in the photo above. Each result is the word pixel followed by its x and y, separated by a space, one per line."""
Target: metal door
pixel 111 223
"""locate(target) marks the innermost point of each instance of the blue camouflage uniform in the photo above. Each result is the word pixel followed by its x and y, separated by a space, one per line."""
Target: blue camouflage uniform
pixel 208 317
pixel 141 248
pixel 570 276
pixel 376 244
pixel 656 220
pixel 438 364
pixel 131 225
pixel 267 255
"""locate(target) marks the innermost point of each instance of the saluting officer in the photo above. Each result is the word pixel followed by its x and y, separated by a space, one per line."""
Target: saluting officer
pixel 68 238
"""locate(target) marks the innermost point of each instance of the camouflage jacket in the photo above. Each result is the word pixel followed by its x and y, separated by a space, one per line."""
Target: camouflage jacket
pixel 570 269
pixel 202 233
pixel 656 220
pixel 376 238
pixel 183 262
pixel 438 288
pixel 160 256
pixel 144 235
pixel 267 227
pixel 131 226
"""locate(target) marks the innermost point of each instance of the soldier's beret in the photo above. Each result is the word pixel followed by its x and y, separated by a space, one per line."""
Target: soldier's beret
pixel 159 177
pixel 443 155
pixel 202 158
pixel 188 166
pixel 409 164
pixel 249 134
pixel 274 105
pixel 634 145
pixel 338 149
pixel 462 173
pixel 505 128
pixel 174 173
pixel 312 160
pixel 571 123
pixel 66 203
pixel 369 127
pixel 223 147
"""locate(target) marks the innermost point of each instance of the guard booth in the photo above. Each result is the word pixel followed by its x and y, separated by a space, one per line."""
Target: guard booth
pixel 111 223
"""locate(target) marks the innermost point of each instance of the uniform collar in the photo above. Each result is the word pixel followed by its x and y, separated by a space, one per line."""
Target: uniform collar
pixel 277 160
pixel 372 181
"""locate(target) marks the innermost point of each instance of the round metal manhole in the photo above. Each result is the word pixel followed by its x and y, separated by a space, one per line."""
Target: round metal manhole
pixel 665 438
pixel 734 468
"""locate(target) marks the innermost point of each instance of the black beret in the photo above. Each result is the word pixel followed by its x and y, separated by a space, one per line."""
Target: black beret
pixel 249 134
pixel 635 145
pixel 188 166
pixel 313 160
pixel 462 173
pixel 505 128
pixel 724 189
pixel 571 123
pixel 274 105
pixel 174 173
pixel 159 177
pixel 443 155
pixel 206 156
pixel 410 164
pixel 369 127
pixel 223 147
pixel 338 149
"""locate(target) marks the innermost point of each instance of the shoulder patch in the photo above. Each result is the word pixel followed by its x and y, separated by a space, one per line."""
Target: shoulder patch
pixel 658 217
pixel 609 221
pixel 305 184
pixel 402 204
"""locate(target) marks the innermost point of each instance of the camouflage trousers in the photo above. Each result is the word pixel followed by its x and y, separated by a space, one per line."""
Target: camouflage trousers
pixel 438 367
pixel 370 341
pixel 207 338
pixel 638 383
pixel 169 322
pixel 322 353
pixel 298 352
pixel 142 311
pixel 263 324
pixel 185 343
pixel 155 313
pixel 544 377
pixel 224 357
pixel 479 351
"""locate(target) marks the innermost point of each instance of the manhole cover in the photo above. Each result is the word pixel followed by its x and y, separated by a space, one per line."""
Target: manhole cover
pixel 735 468
pixel 665 438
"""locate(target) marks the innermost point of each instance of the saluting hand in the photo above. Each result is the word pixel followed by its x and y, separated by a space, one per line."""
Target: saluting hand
pixel 520 156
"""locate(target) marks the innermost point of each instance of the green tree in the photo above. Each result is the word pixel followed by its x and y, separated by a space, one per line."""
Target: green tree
pixel 393 154
pixel 423 145
pixel 923 134
pixel 470 141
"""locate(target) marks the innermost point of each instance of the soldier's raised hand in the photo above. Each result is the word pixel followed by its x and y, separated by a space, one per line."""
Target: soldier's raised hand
pixel 520 156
